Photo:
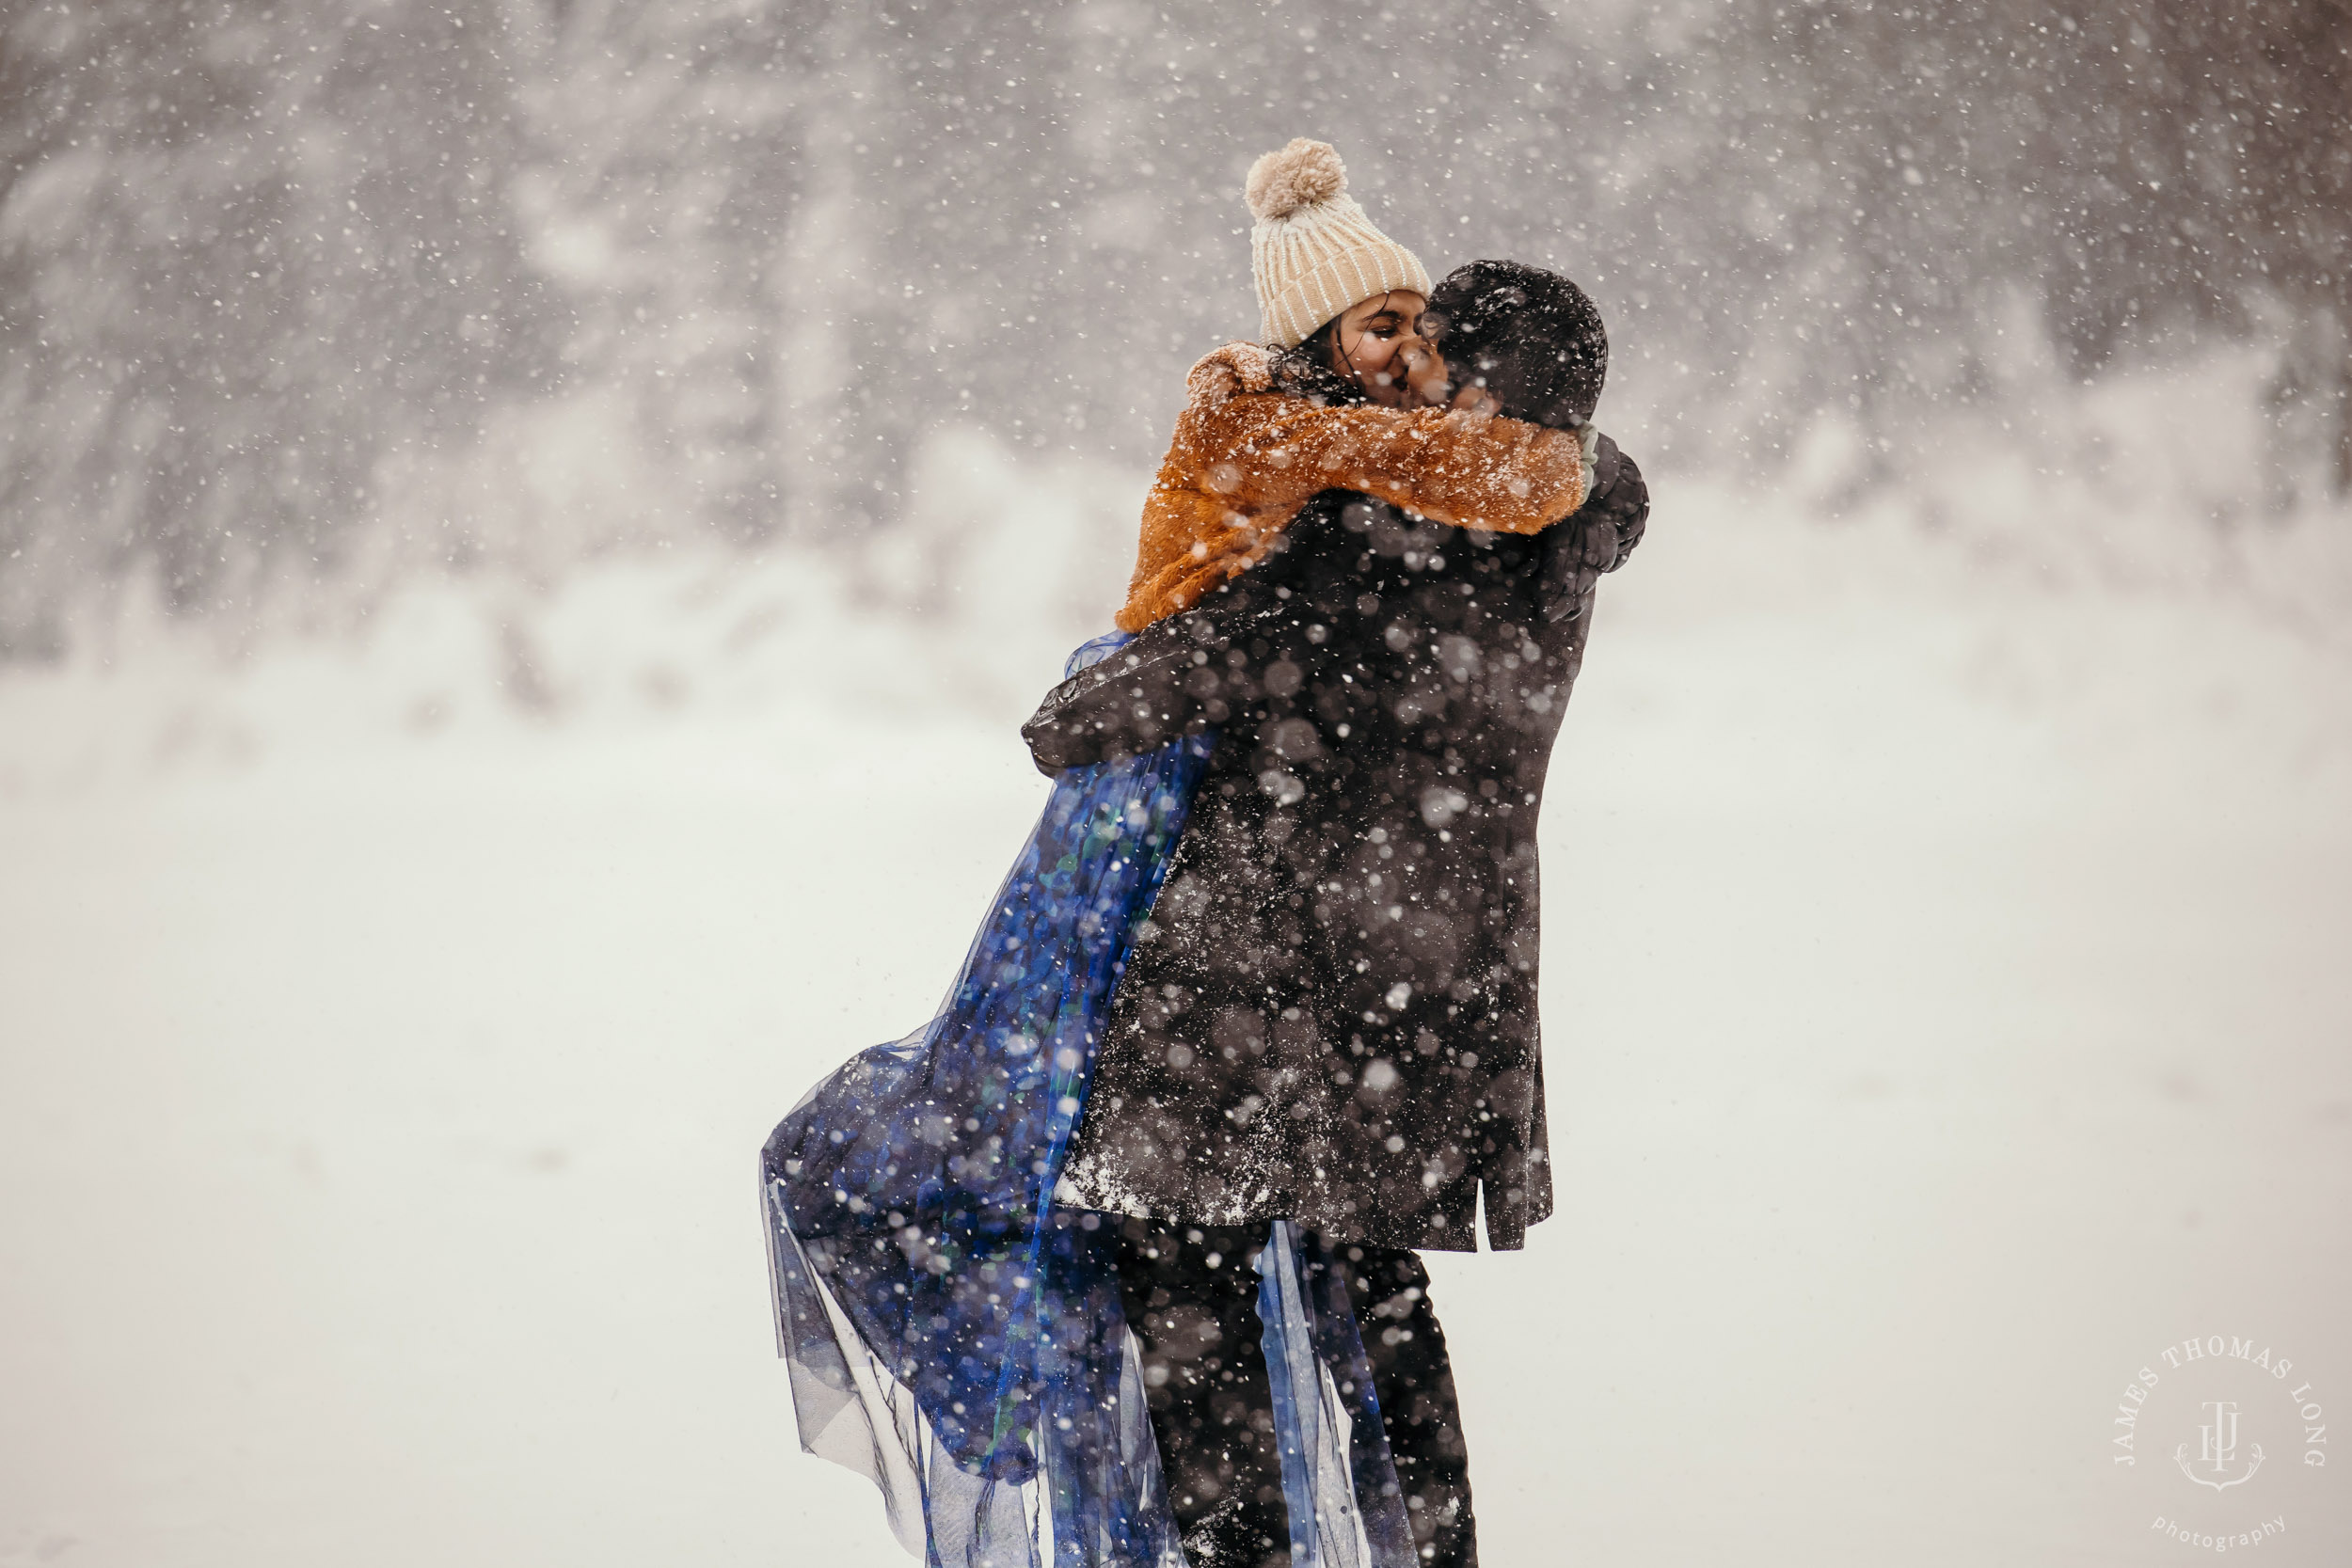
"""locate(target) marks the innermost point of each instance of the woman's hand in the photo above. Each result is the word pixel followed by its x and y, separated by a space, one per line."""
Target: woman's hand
pixel 1428 384
pixel 1424 372
pixel 1474 399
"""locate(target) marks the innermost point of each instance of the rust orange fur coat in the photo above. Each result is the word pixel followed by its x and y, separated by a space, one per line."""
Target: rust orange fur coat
pixel 1246 456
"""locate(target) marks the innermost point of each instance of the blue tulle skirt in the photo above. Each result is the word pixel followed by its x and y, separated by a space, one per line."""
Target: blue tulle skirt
pixel 954 1333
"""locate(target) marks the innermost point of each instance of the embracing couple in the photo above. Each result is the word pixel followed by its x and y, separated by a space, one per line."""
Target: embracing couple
pixel 1361 596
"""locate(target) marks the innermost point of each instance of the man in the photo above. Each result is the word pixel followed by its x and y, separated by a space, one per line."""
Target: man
pixel 1330 1014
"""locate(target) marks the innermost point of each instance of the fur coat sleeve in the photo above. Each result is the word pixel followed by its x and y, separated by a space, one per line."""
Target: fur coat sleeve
pixel 1246 457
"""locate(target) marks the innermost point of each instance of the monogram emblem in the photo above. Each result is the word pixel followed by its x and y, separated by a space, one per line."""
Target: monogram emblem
pixel 2217 1452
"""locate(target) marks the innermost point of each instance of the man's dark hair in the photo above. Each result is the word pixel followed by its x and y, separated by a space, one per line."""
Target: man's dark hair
pixel 1530 337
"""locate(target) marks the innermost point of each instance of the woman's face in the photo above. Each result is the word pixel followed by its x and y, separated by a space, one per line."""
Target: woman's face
pixel 1378 345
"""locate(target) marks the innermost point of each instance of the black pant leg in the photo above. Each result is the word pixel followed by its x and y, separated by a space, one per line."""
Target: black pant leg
pixel 1190 1294
pixel 1414 1382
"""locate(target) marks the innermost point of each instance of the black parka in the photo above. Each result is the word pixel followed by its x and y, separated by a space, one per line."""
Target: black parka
pixel 1330 1013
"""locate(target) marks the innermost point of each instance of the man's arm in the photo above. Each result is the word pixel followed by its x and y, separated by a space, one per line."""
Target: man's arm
pixel 1249 637
pixel 1597 538
pixel 1124 703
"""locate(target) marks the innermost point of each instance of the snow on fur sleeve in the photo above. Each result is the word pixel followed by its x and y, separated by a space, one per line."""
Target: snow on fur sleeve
pixel 1464 470
pixel 1245 459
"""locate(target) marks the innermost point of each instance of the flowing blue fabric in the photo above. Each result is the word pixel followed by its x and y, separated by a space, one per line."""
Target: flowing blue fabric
pixel 1339 1479
pixel 955 1335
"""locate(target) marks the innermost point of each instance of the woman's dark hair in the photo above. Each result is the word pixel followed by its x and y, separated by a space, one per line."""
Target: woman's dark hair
pixel 1530 337
pixel 1306 370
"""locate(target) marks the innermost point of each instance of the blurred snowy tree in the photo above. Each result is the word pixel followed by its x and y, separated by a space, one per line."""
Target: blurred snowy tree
pixel 252 253
pixel 666 157
pixel 240 249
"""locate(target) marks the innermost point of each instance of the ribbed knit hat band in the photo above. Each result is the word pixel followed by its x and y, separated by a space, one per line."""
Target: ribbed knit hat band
pixel 1314 253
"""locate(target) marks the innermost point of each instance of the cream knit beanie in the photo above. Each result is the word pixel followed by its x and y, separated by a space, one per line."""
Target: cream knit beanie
pixel 1314 251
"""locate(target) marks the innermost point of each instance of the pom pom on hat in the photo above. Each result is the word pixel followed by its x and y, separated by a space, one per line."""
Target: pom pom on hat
pixel 1313 252
pixel 1296 176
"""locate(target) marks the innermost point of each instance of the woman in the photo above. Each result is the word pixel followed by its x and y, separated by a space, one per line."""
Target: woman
pixel 1056 1237
pixel 1340 397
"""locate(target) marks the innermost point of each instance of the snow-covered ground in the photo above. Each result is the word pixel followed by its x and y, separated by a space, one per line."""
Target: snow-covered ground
pixel 1945 979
